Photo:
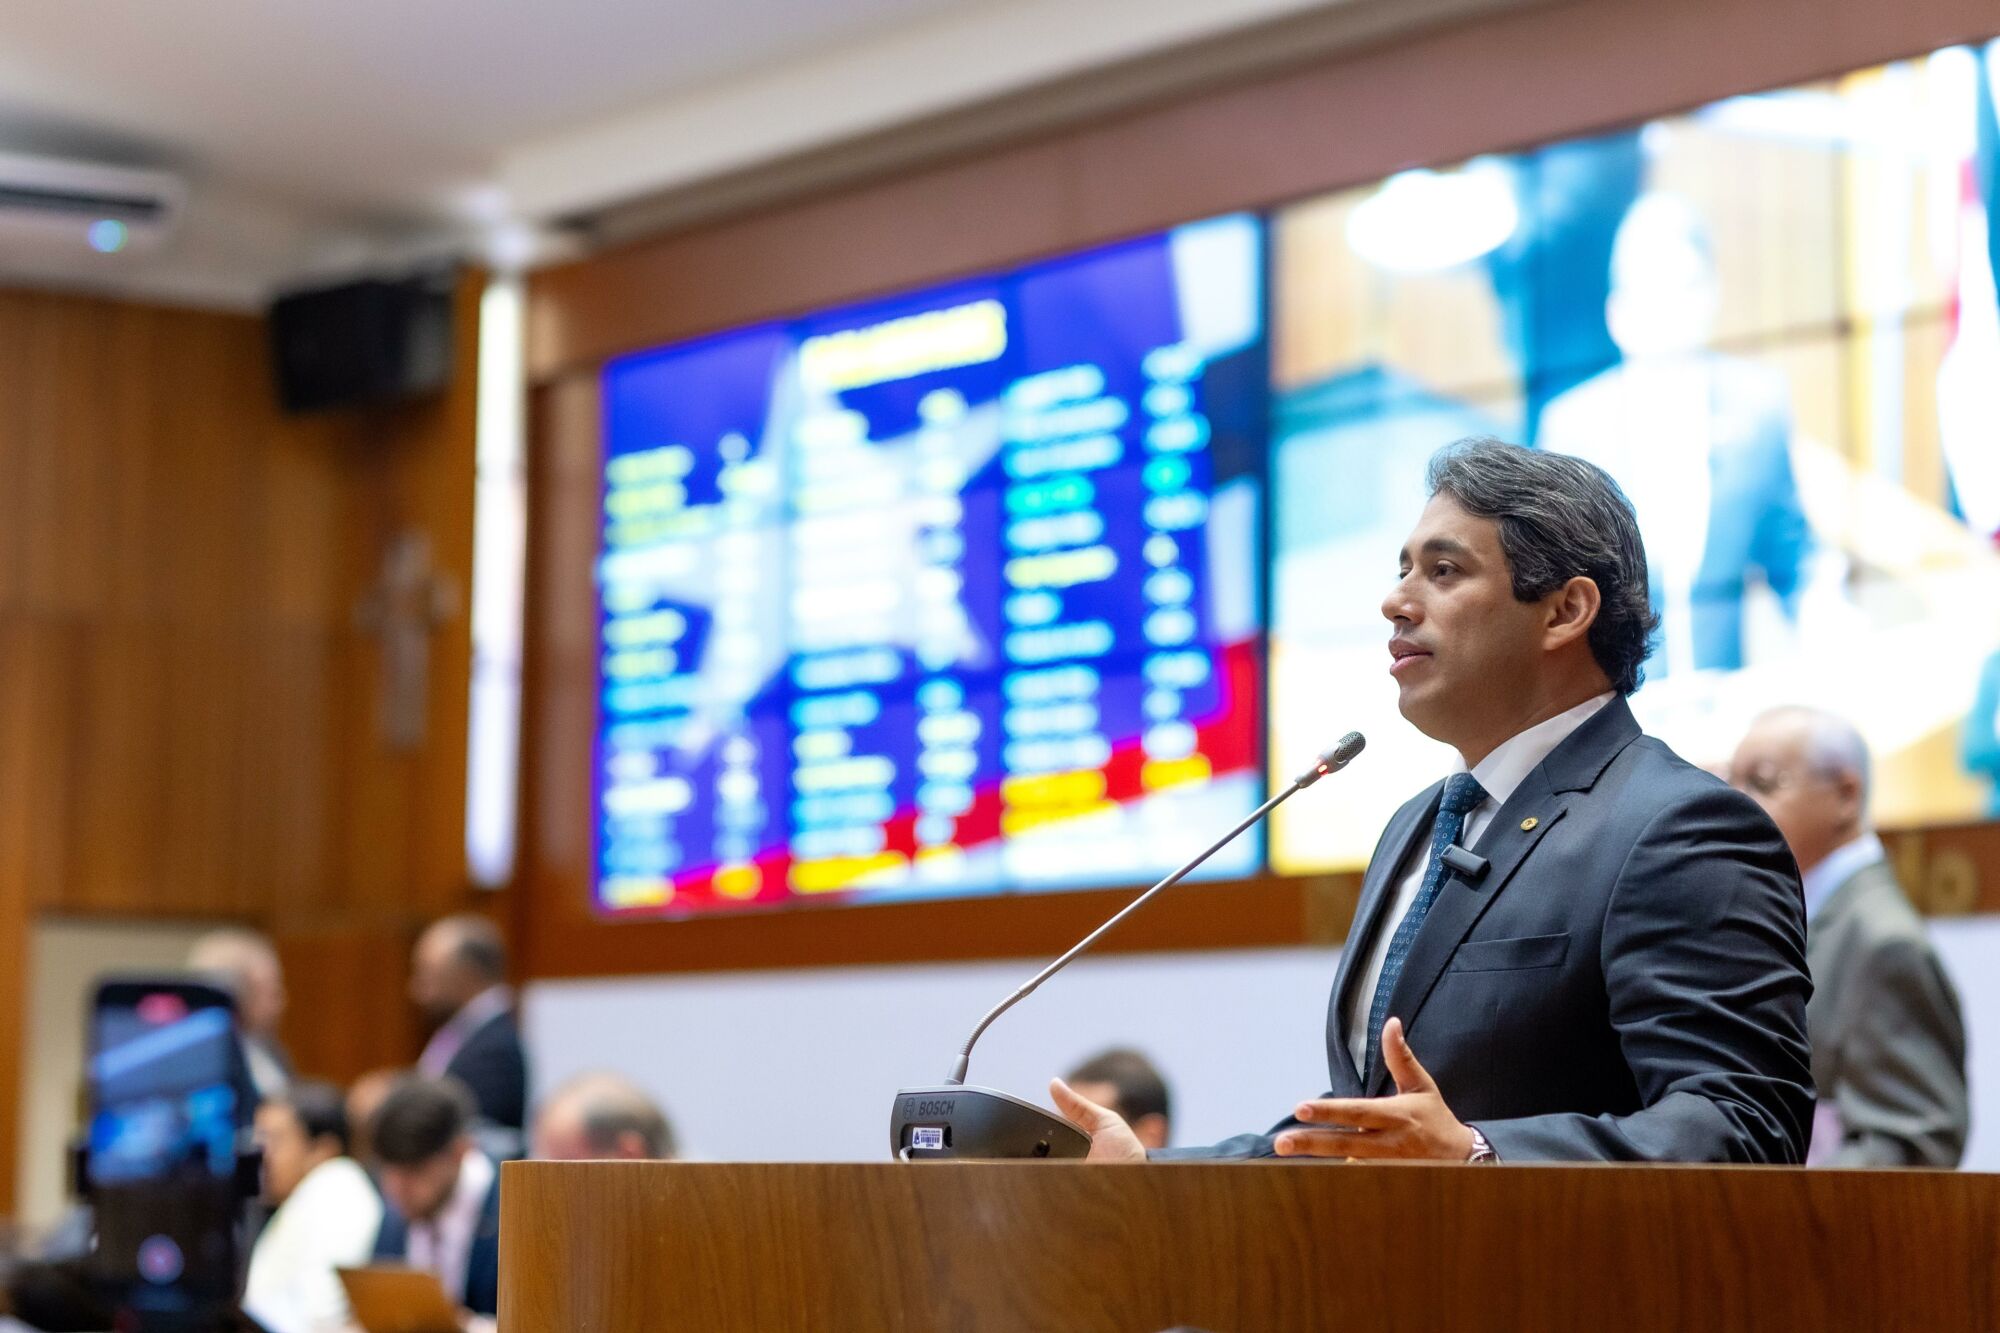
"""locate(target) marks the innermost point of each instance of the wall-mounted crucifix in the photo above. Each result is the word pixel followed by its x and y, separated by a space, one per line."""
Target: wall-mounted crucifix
pixel 409 601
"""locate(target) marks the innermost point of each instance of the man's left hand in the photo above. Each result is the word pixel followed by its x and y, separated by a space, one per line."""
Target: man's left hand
pixel 1415 1124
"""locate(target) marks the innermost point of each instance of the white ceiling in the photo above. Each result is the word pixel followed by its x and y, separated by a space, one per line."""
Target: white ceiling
pixel 320 136
pixel 384 106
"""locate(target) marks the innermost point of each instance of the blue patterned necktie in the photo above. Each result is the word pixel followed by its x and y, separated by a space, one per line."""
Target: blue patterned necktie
pixel 1461 793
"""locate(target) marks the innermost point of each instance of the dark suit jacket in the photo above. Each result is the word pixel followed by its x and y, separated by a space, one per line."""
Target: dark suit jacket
pixel 482 1266
pixel 1626 982
pixel 1888 1040
pixel 492 1065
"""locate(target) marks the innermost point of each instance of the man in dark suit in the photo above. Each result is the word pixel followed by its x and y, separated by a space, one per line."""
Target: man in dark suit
pixel 1617 970
pixel 443 1193
pixel 1888 1037
pixel 458 978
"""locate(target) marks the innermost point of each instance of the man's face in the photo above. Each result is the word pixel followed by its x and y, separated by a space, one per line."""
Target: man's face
pixel 288 1153
pixel 419 1192
pixel 1150 1129
pixel 437 982
pixel 1462 649
pixel 1815 812
pixel 262 1002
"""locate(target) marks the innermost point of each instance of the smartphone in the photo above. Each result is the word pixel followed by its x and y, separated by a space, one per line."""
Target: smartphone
pixel 170 1106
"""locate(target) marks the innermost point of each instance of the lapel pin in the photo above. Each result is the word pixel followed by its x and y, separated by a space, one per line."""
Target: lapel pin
pixel 1528 824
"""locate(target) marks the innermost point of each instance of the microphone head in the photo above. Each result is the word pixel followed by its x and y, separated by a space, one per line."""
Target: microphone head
pixel 1335 759
pixel 1342 754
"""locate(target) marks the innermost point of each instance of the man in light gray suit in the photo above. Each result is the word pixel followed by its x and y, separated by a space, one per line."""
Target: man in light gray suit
pixel 1888 1041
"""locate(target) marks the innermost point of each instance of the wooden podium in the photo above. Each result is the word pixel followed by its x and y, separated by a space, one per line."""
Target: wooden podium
pixel 617 1247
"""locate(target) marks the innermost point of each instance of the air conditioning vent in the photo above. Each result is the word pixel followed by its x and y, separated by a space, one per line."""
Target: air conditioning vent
pixel 56 205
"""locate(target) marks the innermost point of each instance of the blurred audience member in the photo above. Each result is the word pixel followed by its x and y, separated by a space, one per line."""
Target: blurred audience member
pixel 443 1192
pixel 458 978
pixel 364 1098
pixel 599 1116
pixel 243 963
pixel 1129 1084
pixel 1888 1040
pixel 328 1213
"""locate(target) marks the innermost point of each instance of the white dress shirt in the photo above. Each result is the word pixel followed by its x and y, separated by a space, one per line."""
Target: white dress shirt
pixel 443 1244
pixel 329 1222
pixel 1498 774
pixel 267 1072
pixel 1837 867
pixel 1834 869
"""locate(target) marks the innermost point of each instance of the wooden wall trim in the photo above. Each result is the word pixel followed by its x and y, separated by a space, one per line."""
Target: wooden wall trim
pixel 1500 82
pixel 1268 911
pixel 1234 58
pixel 1947 873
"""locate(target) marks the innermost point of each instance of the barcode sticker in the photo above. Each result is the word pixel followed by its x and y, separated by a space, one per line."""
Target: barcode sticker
pixel 928 1136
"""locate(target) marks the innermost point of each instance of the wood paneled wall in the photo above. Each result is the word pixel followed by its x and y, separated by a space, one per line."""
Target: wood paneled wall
pixel 1537 73
pixel 187 694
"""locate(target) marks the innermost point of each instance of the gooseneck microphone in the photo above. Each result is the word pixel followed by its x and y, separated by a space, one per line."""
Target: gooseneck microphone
pixel 952 1119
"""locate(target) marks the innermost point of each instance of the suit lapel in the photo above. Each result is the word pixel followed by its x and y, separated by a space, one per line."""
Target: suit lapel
pixel 1378 890
pixel 1573 766
pixel 1458 907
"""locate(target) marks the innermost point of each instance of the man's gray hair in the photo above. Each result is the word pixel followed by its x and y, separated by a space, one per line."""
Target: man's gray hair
pixel 609 1107
pixel 230 954
pixel 1834 747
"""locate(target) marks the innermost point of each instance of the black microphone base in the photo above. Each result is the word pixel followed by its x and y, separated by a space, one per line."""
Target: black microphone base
pixel 965 1122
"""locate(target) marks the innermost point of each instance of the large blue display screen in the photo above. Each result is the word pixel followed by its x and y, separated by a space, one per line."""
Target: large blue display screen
pixel 949 593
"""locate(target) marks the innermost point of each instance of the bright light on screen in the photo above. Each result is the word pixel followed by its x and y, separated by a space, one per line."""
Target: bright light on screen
pixel 945 594
pixel 1772 321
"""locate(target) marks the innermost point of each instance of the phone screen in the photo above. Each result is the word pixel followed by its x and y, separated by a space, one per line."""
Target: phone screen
pixel 167 1103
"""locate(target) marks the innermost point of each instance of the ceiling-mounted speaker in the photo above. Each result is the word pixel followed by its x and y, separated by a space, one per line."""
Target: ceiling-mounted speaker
pixel 373 341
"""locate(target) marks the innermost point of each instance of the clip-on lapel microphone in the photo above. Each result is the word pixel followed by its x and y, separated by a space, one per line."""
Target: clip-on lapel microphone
pixel 1465 865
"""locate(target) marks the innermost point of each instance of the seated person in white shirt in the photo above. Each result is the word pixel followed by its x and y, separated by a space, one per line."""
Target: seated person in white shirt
pixel 443 1193
pixel 602 1117
pixel 327 1217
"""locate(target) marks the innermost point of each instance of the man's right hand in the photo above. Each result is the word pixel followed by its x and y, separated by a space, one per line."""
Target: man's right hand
pixel 1111 1139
